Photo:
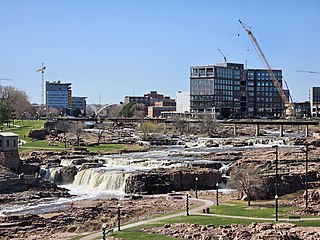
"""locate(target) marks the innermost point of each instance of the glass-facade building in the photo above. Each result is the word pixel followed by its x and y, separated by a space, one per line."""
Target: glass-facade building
pixel 234 92
pixel 58 95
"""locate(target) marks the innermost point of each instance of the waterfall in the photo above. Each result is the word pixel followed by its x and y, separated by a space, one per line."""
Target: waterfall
pixel 51 175
pixel 224 169
pixel 101 179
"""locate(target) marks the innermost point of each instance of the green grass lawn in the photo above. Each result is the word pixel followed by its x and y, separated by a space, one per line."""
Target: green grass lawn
pixel 238 208
pixel 257 209
pixel 136 233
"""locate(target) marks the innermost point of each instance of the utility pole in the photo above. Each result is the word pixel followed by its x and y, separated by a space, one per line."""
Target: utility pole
pixel 42 87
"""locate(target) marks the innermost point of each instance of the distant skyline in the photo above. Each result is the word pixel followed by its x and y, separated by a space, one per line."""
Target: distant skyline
pixel 110 49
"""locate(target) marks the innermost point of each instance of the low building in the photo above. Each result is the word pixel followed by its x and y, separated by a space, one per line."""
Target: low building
pixel 155 111
pixel 9 156
pixel 303 109
pixel 152 99
pixel 78 104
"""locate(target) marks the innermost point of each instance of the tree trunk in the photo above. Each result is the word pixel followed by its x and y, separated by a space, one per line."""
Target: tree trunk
pixel 65 142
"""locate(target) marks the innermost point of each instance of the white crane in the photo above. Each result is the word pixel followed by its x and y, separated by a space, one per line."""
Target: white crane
pixel 42 85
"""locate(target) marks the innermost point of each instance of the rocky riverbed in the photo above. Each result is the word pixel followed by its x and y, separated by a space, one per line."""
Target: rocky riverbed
pixel 254 231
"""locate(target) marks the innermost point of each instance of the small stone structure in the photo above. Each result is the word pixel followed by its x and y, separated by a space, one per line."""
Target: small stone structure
pixel 9 156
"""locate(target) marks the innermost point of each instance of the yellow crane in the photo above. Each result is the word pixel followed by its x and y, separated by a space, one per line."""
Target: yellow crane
pixel 288 106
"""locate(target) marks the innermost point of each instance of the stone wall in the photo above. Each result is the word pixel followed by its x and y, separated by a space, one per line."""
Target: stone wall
pixel 18 184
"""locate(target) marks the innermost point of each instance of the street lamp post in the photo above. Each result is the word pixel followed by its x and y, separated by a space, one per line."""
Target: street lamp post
pixel 104 227
pixel 217 195
pixel 196 186
pixel 119 217
pixel 187 203
pixel 276 182
pixel 276 198
pixel 306 177
pixel 277 175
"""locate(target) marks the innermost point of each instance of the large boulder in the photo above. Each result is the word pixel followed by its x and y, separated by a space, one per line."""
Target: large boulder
pixel 68 173
pixel 38 134
pixel 178 180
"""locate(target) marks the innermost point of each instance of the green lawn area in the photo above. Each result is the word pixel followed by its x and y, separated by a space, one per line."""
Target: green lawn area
pixel 257 209
pixel 238 208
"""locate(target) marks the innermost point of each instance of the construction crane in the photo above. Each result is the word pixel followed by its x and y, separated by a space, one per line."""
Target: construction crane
pixel 288 105
pixel 224 56
pixel 308 71
pixel 42 85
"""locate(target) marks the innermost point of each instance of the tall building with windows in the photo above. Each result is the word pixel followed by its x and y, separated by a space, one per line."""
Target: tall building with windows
pixel 58 95
pixel 233 92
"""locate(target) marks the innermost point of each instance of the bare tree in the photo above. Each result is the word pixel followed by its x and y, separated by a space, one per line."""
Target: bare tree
pixel 139 110
pixel 18 100
pixel 246 178
pixel 115 111
pixel 100 131
pixel 209 125
pixel 180 124
pixel 77 130
pixel 63 127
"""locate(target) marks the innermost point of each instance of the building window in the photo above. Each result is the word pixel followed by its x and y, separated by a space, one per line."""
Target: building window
pixel 14 143
pixel 8 143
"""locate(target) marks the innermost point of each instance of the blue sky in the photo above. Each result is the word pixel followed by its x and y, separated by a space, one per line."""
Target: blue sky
pixel 124 47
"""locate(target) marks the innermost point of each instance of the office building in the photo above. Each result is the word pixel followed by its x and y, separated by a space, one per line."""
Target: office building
pixel 58 95
pixel 234 92
pixel 302 109
pixel 314 98
pixel 78 104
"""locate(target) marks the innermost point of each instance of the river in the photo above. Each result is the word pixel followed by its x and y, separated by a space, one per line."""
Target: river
pixel 108 180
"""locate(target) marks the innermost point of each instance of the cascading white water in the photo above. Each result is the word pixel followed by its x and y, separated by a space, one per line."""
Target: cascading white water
pixel 52 174
pixel 100 179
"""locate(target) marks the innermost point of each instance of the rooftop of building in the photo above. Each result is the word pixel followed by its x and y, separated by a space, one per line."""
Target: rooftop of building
pixel 8 134
pixel 230 65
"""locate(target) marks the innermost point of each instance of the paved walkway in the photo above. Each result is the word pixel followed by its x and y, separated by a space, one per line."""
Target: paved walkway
pixel 202 202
